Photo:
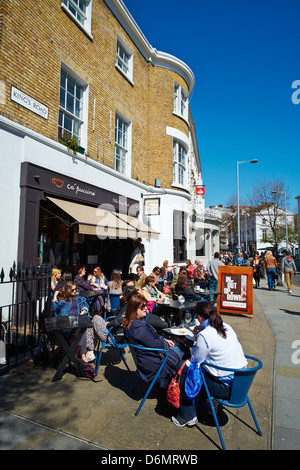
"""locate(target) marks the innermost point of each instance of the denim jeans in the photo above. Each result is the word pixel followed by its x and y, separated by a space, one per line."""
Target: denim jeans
pixel 213 285
pixel 188 408
pixel 271 277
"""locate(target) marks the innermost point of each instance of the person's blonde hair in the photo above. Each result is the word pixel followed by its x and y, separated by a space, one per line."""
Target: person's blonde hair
pixel 269 253
pixel 99 274
pixel 54 273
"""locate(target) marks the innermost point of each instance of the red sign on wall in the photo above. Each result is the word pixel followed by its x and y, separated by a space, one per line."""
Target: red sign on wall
pixel 200 191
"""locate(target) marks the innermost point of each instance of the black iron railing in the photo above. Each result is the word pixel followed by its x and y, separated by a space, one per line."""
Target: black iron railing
pixel 25 297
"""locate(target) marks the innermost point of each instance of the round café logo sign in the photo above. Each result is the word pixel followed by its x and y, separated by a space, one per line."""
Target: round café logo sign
pixel 73 187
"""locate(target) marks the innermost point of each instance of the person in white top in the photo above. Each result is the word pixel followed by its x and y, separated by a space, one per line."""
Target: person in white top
pixel 216 343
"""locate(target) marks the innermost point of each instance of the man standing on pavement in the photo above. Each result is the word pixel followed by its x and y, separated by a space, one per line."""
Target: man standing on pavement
pixel 288 268
pixel 212 268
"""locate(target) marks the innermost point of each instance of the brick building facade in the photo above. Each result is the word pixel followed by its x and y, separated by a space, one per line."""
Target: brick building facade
pixel 83 69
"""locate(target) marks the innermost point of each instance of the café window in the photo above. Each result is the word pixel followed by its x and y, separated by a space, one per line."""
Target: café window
pixel 179 236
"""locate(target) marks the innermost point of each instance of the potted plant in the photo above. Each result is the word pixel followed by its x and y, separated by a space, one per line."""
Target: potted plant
pixel 71 143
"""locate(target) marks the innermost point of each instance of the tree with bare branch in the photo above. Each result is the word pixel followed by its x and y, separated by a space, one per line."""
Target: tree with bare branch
pixel 267 201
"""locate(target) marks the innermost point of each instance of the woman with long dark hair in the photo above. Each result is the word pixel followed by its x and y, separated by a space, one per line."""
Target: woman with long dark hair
pixel 217 344
pixel 66 303
pixel 138 331
pixel 183 286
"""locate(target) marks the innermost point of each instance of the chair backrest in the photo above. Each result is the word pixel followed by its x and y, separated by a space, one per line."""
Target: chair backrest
pixel 114 300
pixel 242 381
pixel 134 347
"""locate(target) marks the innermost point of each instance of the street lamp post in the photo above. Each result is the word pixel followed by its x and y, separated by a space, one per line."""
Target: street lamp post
pixel 286 226
pixel 238 196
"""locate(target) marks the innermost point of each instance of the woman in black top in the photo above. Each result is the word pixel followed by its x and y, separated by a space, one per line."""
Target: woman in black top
pixel 183 286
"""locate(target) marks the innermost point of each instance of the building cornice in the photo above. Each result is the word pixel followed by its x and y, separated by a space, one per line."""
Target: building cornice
pixel 157 58
pixel 23 131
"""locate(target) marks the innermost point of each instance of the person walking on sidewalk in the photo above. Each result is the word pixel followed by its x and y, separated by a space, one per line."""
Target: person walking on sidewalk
pixel 212 268
pixel 257 271
pixel 270 265
pixel 288 268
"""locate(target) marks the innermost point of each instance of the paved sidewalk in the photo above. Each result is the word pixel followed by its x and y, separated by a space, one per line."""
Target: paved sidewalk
pixel 282 311
pixel 36 413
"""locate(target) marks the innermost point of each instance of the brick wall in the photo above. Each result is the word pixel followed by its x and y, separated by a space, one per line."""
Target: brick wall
pixel 37 36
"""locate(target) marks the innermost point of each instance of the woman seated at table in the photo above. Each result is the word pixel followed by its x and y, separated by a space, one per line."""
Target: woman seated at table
pixel 151 293
pixel 55 278
pixel 190 268
pixel 66 303
pixel 139 277
pixel 82 284
pixel 156 274
pixel 183 286
pixel 97 278
pixel 66 277
pixel 168 270
pixel 114 286
pixel 216 343
pixel 153 320
pixel 139 332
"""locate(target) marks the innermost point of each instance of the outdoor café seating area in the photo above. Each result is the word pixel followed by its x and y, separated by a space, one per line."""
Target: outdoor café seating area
pixel 88 321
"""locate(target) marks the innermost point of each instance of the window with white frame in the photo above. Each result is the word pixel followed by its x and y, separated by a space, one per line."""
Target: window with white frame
pixel 124 59
pixel 80 11
pixel 71 106
pixel 122 144
pixel 181 101
pixel 179 163
pixel 264 234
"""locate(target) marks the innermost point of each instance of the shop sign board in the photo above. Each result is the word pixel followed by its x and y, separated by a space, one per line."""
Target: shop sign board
pixel 236 285
pixel 152 206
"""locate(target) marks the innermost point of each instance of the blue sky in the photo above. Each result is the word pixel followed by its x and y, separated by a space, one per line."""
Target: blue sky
pixel 245 56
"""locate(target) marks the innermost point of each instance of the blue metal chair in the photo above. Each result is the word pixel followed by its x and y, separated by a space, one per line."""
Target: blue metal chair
pixel 134 347
pixel 242 381
pixel 114 300
pixel 112 344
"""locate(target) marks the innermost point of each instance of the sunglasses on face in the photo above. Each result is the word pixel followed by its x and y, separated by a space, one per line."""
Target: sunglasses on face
pixel 143 307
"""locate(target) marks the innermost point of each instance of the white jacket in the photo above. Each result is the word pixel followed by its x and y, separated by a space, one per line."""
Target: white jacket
pixel 213 348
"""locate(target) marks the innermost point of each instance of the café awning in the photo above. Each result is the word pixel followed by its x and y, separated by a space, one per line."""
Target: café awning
pixel 104 223
pixel 143 230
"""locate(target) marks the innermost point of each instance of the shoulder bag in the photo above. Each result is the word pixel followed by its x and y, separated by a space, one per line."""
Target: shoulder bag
pixel 173 390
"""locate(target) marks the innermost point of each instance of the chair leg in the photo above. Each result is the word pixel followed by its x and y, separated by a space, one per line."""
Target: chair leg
pixel 124 360
pixel 98 358
pixel 216 421
pixel 145 397
pixel 254 418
